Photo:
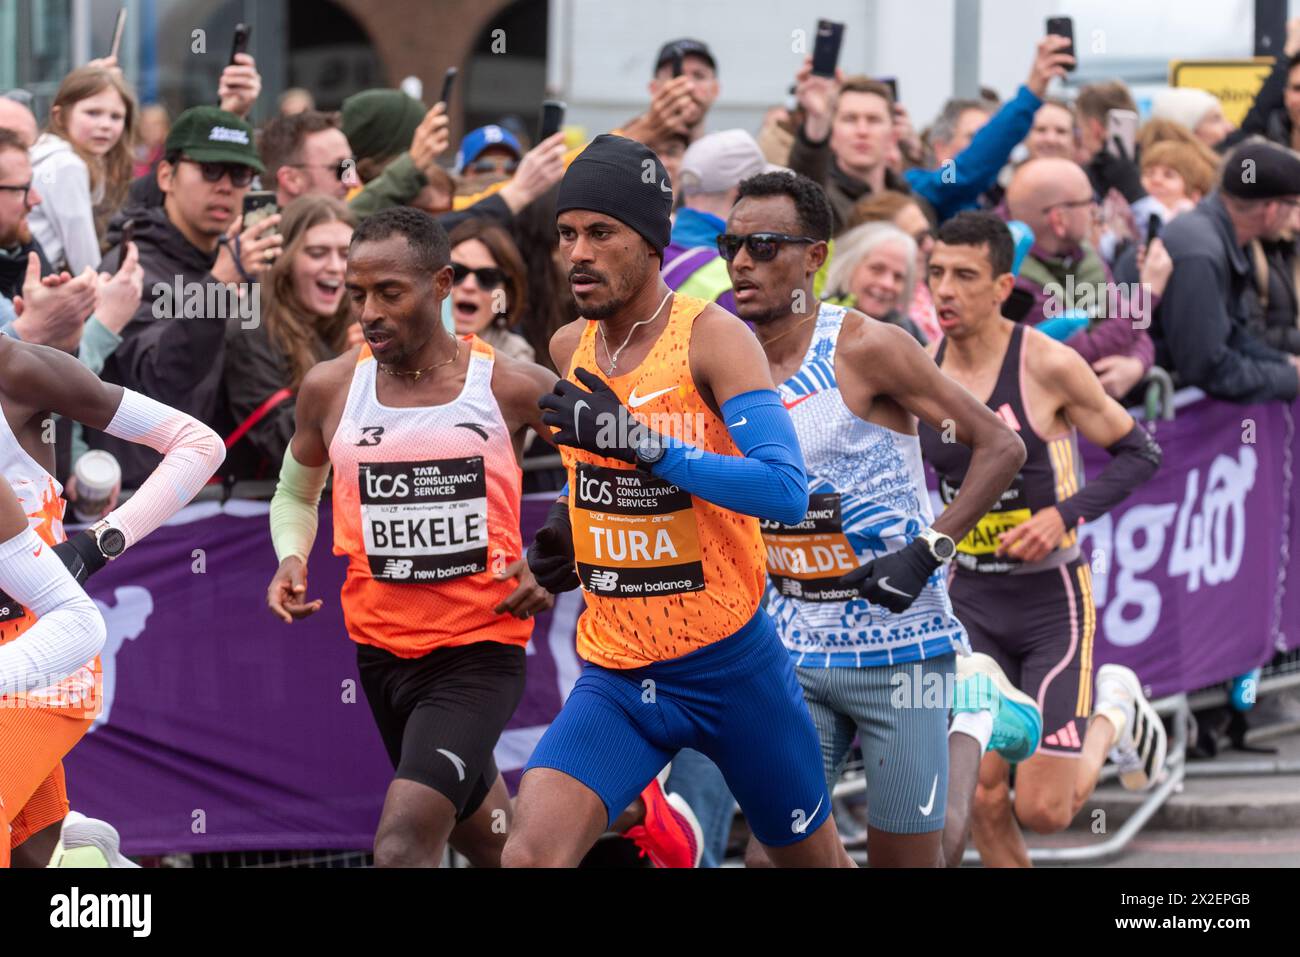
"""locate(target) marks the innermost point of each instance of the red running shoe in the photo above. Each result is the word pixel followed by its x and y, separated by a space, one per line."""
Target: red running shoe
pixel 671 835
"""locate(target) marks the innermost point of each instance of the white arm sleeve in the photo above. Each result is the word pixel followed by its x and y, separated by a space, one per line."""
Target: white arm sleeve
pixel 192 452
pixel 69 630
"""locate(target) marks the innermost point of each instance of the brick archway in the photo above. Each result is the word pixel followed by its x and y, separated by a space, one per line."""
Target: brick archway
pixel 423 39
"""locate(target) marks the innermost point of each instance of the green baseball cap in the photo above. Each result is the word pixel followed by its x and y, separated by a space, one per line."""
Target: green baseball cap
pixel 207 134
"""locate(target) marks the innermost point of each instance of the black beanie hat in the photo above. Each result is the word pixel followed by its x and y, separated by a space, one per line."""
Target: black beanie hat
pixel 624 179
pixel 1259 169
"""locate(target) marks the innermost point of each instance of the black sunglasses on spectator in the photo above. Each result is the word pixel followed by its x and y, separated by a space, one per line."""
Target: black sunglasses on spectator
pixel 240 175
pixel 494 166
pixel 488 277
pixel 762 247
pixel 340 169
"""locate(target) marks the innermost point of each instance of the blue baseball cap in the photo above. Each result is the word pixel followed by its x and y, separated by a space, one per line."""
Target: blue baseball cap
pixel 476 141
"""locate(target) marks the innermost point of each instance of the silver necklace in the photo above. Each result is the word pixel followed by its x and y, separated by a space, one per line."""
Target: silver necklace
pixel 613 356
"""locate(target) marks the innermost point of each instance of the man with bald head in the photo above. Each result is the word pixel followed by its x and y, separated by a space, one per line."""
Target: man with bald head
pixel 1075 296
pixel 17 117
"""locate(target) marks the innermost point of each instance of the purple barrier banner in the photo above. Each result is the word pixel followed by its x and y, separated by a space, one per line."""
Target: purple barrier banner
pixel 1187 569
pixel 225 729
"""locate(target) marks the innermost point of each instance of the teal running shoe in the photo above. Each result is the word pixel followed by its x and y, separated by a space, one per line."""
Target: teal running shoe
pixel 1017 722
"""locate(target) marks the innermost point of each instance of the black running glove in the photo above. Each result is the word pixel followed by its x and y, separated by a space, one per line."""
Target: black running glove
pixel 894 580
pixel 550 556
pixel 80 554
pixel 584 418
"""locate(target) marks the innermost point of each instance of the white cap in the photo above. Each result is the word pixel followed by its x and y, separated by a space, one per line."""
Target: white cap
pixel 717 162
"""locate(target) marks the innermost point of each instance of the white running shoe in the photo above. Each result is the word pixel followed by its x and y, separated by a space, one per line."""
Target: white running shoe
pixel 88 842
pixel 1141 744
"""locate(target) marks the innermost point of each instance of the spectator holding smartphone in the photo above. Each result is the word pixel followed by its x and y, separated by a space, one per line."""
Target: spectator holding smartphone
pixel 849 132
pixel 172 350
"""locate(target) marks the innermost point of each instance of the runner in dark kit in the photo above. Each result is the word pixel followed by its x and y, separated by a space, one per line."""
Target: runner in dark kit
pixel 1019 585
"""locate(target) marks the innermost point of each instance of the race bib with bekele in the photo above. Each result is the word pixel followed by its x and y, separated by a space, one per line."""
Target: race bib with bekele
pixel 806 560
pixel 424 522
pixel 634 535
pixel 975 552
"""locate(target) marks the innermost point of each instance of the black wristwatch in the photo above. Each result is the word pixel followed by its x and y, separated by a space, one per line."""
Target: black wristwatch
pixel 648 452
pixel 110 541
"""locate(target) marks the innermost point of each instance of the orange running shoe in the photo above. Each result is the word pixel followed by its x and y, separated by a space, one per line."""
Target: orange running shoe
pixel 671 835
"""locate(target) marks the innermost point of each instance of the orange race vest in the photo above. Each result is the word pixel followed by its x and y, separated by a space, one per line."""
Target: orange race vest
pixel 426 508
pixel 663 572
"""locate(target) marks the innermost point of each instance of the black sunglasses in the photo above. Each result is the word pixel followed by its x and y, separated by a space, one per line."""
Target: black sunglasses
pixel 340 169
pixel 762 247
pixel 494 166
pixel 488 277
pixel 239 174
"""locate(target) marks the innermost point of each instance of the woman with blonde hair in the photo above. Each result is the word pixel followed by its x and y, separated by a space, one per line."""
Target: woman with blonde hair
pixel 82 164
pixel 305 319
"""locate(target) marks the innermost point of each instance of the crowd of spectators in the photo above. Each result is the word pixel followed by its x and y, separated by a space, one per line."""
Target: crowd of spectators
pixel 118 223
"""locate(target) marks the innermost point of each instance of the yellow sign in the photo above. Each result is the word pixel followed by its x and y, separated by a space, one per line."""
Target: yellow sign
pixel 1234 82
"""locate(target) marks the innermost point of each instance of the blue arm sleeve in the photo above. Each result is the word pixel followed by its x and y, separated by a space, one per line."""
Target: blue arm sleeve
pixel 769 482
pixel 976 167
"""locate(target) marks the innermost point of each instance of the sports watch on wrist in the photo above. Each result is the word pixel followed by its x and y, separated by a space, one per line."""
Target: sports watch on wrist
pixel 648 452
pixel 109 540
pixel 941 546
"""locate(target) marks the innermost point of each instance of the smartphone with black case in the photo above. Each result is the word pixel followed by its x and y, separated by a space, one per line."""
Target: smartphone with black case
pixel 448 83
pixel 1063 27
pixel 826 48
pixel 552 119
pixel 240 42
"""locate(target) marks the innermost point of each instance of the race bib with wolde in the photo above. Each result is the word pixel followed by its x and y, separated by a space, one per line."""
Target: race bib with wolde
pixel 807 560
pixel 634 535
pixel 424 522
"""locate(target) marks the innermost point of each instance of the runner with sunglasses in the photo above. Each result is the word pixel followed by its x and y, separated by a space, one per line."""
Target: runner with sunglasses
pixel 856 585
pixel 198 269
pixel 675 445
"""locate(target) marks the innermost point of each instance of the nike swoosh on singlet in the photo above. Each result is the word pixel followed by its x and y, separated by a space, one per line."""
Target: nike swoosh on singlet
pixel 928 806
pixel 636 401
pixel 802 398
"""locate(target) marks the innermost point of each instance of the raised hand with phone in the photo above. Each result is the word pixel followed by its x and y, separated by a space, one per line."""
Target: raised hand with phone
pixel 240 84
